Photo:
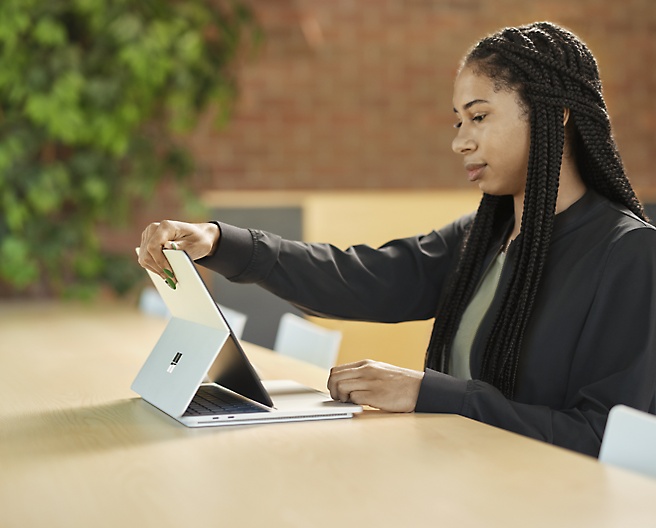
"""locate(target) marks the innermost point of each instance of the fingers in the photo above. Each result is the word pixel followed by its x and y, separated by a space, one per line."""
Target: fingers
pixel 349 366
pixel 357 390
pixel 345 379
pixel 376 384
pixel 156 237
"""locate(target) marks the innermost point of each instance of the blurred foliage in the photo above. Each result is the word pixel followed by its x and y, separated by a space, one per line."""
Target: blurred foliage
pixel 92 93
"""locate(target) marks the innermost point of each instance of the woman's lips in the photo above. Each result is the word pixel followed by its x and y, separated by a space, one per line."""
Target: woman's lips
pixel 474 171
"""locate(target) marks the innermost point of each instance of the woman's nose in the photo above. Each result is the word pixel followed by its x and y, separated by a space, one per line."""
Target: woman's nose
pixel 462 143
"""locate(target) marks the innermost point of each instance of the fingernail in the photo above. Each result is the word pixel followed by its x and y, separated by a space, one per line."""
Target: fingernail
pixel 169 273
pixel 170 283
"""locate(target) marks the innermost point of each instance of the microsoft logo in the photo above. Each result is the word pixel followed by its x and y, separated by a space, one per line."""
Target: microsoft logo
pixel 174 363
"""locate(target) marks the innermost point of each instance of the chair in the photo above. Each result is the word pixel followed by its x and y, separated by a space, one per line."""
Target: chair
pixel 304 340
pixel 151 303
pixel 236 320
pixel 630 440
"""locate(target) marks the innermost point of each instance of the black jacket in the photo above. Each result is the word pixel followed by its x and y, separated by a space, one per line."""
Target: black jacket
pixel 591 342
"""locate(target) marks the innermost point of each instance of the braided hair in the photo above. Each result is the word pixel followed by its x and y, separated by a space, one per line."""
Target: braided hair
pixel 551 70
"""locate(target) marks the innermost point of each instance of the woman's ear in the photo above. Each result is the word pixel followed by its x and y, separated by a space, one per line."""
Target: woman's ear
pixel 569 134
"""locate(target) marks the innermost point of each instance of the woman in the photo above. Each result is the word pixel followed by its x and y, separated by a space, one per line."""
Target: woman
pixel 544 300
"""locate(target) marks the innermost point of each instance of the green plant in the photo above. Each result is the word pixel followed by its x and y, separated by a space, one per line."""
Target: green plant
pixel 92 95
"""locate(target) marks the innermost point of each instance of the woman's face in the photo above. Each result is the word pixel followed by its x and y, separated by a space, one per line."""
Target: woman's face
pixel 493 134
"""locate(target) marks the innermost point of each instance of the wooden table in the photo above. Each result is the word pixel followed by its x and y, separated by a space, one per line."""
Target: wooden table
pixel 79 449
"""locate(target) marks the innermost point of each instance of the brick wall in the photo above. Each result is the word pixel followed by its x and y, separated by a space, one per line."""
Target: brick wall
pixel 352 94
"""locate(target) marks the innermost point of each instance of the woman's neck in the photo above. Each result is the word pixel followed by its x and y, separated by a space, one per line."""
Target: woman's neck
pixel 570 189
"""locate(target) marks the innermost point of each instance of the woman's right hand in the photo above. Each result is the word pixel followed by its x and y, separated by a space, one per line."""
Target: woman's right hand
pixel 198 240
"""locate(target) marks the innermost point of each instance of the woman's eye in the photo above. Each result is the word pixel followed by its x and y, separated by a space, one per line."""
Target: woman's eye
pixel 477 119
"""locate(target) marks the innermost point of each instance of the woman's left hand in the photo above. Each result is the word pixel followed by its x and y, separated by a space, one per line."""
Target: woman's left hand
pixel 376 384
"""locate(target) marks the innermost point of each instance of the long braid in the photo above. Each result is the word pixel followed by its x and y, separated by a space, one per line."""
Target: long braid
pixel 463 282
pixel 551 70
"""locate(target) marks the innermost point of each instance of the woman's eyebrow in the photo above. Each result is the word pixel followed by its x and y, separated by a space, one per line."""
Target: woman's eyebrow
pixel 472 103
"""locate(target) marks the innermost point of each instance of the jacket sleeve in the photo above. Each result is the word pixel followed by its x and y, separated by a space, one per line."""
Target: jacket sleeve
pixel 399 281
pixel 615 361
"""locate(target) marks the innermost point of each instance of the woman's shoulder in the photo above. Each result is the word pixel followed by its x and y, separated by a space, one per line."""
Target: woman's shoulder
pixel 596 230
pixel 622 224
pixel 629 237
pixel 627 218
pixel 598 214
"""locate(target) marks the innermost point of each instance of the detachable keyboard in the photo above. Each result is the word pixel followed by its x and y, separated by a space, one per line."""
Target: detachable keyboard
pixel 210 399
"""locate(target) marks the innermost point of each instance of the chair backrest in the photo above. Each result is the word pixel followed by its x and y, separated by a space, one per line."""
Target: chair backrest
pixel 630 440
pixel 304 340
pixel 151 303
pixel 236 320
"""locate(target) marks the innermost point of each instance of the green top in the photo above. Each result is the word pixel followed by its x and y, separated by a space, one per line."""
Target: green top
pixel 472 318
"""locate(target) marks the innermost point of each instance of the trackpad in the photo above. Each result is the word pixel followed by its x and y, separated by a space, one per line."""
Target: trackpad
pixel 289 395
